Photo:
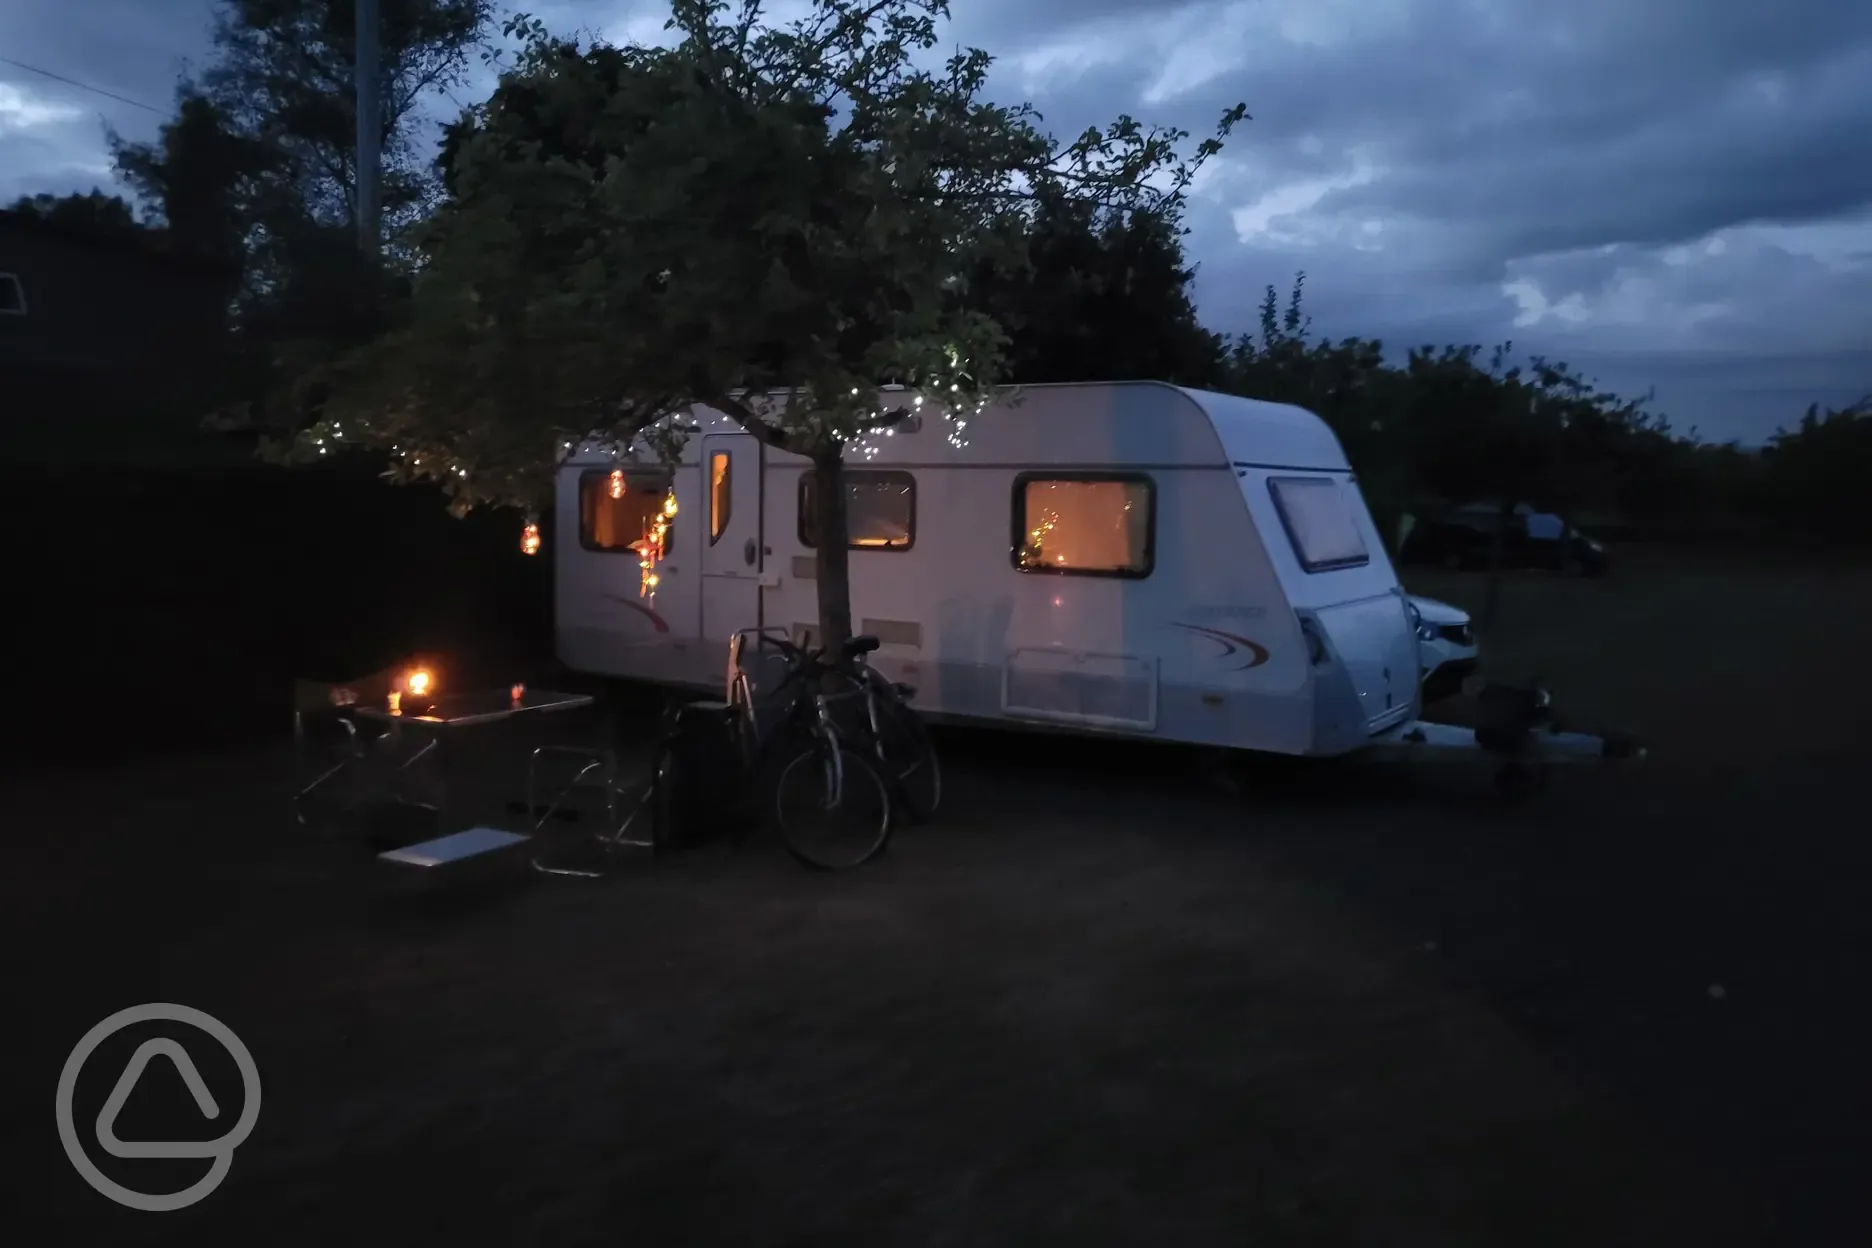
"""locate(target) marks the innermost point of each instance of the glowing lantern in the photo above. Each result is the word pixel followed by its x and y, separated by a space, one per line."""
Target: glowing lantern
pixel 669 504
pixel 418 683
pixel 530 539
pixel 618 488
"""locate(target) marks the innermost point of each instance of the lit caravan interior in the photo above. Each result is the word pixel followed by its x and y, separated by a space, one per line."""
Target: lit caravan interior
pixel 1085 525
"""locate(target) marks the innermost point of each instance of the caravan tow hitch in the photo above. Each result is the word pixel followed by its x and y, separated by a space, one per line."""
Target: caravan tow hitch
pixel 1515 728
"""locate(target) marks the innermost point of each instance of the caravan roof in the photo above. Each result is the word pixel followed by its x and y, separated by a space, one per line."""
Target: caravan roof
pixel 1111 422
pixel 1271 435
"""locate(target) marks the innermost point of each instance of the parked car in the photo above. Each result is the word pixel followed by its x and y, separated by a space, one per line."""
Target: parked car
pixel 1464 537
pixel 1446 647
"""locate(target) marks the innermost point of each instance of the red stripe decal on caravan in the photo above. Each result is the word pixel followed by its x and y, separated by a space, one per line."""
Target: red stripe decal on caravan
pixel 1231 644
pixel 661 624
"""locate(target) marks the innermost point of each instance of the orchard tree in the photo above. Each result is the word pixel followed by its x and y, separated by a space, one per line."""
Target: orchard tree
pixel 777 222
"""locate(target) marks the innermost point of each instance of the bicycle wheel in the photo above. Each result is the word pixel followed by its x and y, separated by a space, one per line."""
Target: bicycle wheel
pixel 833 808
pixel 910 757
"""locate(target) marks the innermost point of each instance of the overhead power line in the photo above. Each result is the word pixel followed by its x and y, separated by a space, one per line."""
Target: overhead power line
pixel 82 86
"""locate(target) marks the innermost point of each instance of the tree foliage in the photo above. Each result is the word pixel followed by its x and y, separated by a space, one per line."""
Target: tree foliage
pixel 771 220
pixel 1101 296
pixel 258 169
pixel 93 214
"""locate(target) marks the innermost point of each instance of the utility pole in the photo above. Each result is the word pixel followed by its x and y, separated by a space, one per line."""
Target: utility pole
pixel 366 76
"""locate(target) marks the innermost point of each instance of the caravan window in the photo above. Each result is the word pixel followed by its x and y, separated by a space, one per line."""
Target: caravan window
pixel 880 510
pixel 12 296
pixel 1085 524
pixel 1320 522
pixel 618 509
pixel 721 495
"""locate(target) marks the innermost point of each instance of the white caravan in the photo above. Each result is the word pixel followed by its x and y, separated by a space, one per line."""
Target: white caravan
pixel 1132 558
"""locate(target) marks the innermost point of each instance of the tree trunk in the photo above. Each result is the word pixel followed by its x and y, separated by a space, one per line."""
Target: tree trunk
pixel 1498 553
pixel 832 557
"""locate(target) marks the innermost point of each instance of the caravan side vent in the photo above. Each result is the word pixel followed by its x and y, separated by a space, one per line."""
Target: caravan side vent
pixel 894 632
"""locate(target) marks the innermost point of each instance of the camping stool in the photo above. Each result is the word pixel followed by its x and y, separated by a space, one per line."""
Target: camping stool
pixel 597 770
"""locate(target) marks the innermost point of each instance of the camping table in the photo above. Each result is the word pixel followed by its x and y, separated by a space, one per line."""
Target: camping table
pixel 445 718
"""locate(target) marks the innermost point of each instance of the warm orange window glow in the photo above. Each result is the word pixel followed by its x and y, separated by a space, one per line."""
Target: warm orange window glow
pixel 617 487
pixel 620 522
pixel 721 496
pixel 418 683
pixel 1095 526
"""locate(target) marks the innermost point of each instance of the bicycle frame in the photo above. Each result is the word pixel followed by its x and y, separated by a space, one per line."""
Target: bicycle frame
pixel 835 766
pixel 808 666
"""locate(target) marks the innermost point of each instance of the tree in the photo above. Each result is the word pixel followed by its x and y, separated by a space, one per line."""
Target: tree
pixel 1816 473
pixel 258 168
pixel 94 215
pixel 197 180
pixel 1101 296
pixel 775 222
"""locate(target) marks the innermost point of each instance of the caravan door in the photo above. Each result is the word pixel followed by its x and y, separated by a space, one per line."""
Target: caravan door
pixel 731 535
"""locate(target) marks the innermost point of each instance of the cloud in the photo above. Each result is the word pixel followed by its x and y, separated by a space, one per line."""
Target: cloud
pixel 22 112
pixel 1677 180
pixel 1680 190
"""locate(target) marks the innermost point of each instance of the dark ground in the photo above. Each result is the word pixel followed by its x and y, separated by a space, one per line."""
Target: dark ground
pixel 1094 1003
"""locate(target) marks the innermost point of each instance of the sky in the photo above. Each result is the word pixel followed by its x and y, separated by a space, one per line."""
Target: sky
pixel 1672 195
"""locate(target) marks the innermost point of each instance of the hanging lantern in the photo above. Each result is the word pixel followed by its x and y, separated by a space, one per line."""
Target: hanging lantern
pixel 669 504
pixel 618 488
pixel 530 539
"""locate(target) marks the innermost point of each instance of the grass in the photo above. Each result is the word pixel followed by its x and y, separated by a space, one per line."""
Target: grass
pixel 1711 656
pixel 1091 1004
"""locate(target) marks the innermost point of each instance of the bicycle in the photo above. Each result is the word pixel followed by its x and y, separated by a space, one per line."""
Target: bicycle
pixel 901 742
pixel 895 734
pixel 815 771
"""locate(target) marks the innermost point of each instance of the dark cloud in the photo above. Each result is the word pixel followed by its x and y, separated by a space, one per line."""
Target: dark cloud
pixel 1681 189
pixel 1585 177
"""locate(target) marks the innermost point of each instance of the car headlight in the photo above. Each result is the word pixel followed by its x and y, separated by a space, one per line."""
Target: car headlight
pixel 1425 632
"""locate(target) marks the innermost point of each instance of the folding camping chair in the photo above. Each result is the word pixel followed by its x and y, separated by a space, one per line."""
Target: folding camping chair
pixel 331 743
